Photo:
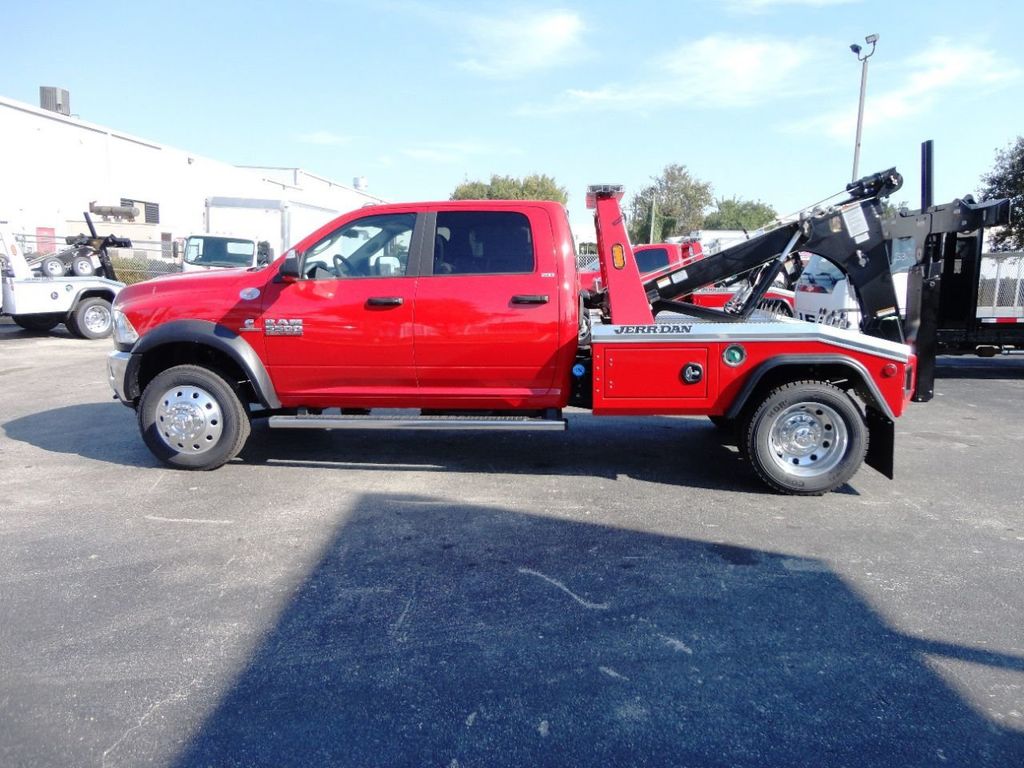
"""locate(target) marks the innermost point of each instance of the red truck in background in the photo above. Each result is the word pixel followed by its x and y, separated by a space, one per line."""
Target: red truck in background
pixel 469 315
pixel 655 259
pixel 650 260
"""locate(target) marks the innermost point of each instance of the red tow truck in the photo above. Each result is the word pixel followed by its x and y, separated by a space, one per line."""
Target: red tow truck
pixel 469 315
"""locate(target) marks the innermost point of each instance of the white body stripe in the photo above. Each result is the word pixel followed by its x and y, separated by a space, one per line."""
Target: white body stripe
pixel 689 329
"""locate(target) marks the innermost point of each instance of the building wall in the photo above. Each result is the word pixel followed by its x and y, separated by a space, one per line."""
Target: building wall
pixel 53 166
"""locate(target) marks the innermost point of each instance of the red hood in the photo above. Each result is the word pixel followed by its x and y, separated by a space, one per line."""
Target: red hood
pixel 194 295
pixel 213 280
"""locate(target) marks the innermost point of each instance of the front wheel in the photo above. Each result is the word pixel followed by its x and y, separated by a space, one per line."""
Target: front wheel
pixel 806 438
pixel 191 418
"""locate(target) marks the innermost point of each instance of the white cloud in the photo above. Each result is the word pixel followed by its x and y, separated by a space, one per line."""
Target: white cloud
pixel 713 72
pixel 323 138
pixel 944 70
pixel 510 45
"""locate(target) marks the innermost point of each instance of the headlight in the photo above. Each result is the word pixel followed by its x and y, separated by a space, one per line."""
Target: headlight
pixel 124 332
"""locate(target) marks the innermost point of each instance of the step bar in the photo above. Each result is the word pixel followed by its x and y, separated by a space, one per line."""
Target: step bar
pixel 446 423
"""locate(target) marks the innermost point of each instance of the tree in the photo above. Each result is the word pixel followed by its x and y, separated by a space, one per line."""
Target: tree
pixel 733 213
pixel 679 202
pixel 1006 179
pixel 537 186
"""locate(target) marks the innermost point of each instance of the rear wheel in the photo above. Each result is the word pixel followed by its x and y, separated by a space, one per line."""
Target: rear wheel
pixel 91 319
pixel 191 418
pixel 806 438
pixel 37 322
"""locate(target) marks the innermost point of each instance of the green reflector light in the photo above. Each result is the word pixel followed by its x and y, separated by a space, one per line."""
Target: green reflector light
pixel 734 355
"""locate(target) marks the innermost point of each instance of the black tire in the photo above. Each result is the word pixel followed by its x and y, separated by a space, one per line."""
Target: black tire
pixel 90 319
pixel 51 266
pixel 38 323
pixel 191 418
pixel 805 438
pixel 82 266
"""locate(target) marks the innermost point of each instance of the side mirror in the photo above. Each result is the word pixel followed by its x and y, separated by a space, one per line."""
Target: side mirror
pixel 289 271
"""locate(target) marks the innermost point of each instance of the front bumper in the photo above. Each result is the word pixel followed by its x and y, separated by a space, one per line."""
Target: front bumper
pixel 117 375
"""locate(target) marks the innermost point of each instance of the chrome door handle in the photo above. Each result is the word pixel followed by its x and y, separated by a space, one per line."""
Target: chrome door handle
pixel 530 299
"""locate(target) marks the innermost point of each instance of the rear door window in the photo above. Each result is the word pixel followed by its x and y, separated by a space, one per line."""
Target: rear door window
pixel 483 243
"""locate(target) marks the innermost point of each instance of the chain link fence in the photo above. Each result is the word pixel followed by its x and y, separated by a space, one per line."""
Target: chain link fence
pixel 146 259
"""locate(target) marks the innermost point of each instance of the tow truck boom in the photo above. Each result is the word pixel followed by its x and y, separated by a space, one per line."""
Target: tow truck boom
pixel 852 234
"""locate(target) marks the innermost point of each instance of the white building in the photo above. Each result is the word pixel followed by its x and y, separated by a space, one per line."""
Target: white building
pixel 53 166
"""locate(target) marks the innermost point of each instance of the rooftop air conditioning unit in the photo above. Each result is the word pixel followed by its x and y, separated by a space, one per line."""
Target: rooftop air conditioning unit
pixel 55 99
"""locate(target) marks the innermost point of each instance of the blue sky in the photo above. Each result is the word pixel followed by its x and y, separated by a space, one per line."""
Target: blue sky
pixel 757 97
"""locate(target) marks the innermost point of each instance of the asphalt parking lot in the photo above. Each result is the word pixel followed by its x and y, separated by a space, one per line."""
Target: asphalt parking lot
pixel 625 593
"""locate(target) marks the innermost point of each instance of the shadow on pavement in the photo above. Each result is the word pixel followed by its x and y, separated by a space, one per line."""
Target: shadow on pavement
pixel 438 633
pixel 971 367
pixel 675 451
pixel 686 452
pixel 100 431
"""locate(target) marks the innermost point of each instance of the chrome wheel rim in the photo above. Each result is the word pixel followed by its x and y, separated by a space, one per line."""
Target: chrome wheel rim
pixel 808 439
pixel 96 319
pixel 54 268
pixel 189 420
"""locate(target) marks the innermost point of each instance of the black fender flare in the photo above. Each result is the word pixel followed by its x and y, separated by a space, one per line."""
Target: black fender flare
pixel 879 417
pixel 798 361
pixel 210 334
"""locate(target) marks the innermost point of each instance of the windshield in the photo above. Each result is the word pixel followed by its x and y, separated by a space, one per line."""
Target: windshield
pixel 219 252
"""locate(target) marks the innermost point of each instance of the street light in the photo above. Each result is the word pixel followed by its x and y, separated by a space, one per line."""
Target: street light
pixel 870 40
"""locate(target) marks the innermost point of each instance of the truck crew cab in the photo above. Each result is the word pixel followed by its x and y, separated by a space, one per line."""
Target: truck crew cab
pixel 468 314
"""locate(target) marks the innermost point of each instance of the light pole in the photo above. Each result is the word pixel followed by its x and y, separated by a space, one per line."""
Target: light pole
pixel 870 40
pixel 654 200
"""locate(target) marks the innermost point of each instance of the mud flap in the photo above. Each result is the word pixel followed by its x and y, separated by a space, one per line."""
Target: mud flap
pixel 881 442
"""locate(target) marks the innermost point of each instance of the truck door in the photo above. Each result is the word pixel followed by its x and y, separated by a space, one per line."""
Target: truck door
pixel 487 315
pixel 345 330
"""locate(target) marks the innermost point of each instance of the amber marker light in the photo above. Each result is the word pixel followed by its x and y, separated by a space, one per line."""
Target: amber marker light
pixel 618 256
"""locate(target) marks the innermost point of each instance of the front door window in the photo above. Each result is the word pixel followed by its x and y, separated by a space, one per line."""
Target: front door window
pixel 375 246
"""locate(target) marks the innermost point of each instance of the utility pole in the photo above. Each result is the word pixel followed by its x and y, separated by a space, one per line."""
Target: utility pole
pixel 870 40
